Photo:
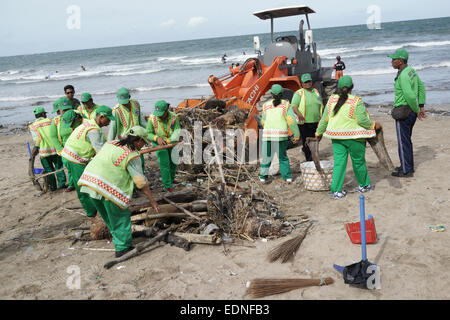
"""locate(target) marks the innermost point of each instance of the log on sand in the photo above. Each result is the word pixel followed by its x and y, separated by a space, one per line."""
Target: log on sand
pixel 184 196
pixel 378 146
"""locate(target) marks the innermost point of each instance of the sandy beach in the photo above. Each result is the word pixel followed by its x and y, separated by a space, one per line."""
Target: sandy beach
pixel 414 260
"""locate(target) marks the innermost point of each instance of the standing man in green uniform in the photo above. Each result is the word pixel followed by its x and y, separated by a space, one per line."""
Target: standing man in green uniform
pixel 163 128
pixel 409 96
pixel 87 109
pixel 347 123
pixel 83 144
pixel 277 117
pixel 69 90
pixel 128 114
pixel 307 105
pixel 57 135
pixel 109 180
pixel 40 131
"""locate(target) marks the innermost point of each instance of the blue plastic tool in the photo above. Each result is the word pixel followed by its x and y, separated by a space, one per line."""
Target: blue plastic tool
pixel 340 269
pixel 363 227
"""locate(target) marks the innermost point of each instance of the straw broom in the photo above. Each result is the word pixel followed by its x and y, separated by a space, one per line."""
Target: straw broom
pixel 286 250
pixel 260 288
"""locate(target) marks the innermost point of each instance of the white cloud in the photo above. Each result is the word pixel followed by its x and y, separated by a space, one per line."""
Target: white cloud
pixel 168 23
pixel 195 21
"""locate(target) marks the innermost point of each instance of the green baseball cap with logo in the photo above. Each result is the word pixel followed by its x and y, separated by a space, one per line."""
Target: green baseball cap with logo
pixel 85 97
pixel 161 107
pixel 306 77
pixel 400 54
pixel 123 95
pixel 56 105
pixel 65 104
pixel 138 131
pixel 345 81
pixel 105 111
pixel 68 118
pixel 276 89
pixel 39 110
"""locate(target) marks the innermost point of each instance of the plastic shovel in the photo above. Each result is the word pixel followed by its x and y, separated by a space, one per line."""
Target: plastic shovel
pixel 358 274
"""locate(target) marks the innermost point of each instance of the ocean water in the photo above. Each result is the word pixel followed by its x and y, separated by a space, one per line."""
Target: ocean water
pixel 177 70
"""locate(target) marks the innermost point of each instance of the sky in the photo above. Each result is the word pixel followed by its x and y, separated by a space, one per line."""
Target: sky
pixel 37 26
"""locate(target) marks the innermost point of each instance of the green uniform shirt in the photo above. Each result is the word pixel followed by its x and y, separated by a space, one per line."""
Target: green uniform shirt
pixel 134 168
pixel 168 130
pixel 361 116
pixel 126 119
pixel 278 120
pixel 409 89
pixel 313 105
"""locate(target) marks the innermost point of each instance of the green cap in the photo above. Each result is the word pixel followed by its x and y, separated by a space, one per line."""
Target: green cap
pixel 39 110
pixel 123 95
pixel 56 105
pixel 276 89
pixel 306 77
pixel 138 131
pixel 345 81
pixel 160 108
pixel 65 104
pixel 400 54
pixel 105 111
pixel 85 97
pixel 68 118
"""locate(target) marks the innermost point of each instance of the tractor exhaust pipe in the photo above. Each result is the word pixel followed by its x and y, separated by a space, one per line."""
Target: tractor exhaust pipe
pixel 301 36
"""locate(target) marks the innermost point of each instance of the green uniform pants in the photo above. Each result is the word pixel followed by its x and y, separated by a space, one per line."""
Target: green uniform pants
pixel 167 166
pixel 269 148
pixel 118 222
pixel 357 150
pixel 86 202
pixel 69 174
pixel 51 164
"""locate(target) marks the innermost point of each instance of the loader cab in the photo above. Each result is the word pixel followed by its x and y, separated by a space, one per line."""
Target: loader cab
pixel 301 52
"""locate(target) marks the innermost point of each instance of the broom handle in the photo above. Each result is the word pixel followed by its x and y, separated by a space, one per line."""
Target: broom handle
pixel 363 227
pixel 158 148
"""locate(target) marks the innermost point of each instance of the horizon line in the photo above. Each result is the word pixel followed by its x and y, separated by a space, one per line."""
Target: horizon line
pixel 195 39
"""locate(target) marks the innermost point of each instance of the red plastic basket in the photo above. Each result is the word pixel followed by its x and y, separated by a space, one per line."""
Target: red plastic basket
pixel 354 231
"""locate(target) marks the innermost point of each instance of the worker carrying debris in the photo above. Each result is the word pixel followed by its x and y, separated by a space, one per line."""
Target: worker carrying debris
pixel 307 105
pixel 163 128
pixel 277 117
pixel 40 132
pixel 83 144
pixel 347 123
pixel 59 135
pixel 108 181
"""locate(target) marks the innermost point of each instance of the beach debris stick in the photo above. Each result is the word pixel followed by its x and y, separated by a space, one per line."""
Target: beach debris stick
pixel 139 248
pixel 379 147
pixel 149 150
pixel 181 208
